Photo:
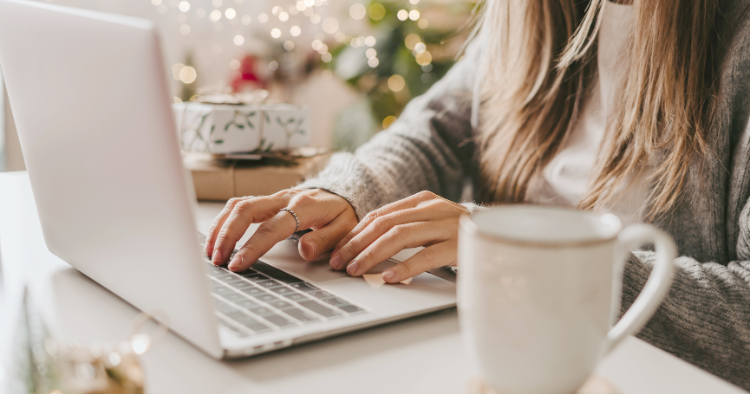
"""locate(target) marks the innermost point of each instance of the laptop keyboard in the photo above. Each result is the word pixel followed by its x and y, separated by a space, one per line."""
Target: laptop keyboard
pixel 264 298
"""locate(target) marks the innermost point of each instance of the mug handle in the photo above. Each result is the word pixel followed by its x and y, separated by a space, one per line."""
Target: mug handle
pixel 657 285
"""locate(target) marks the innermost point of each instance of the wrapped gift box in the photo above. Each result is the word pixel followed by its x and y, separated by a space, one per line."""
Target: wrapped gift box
pixel 217 179
pixel 224 128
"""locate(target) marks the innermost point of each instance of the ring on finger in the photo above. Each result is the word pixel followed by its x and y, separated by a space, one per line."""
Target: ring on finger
pixel 294 215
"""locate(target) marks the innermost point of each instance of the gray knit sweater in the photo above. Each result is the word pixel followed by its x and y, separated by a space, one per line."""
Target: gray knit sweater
pixel 706 316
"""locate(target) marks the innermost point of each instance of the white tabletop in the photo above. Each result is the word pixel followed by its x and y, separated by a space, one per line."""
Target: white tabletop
pixel 419 355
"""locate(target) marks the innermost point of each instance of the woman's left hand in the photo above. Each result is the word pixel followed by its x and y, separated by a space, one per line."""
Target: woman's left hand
pixel 423 219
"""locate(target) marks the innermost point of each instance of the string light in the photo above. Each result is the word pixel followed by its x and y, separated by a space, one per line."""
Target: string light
pixel 414 15
pixel 283 16
pixel 402 15
pixel 376 11
pixel 412 40
pixel 273 65
pixel 239 40
pixel 214 16
pixel 420 47
pixel 188 75
pixel 262 17
pixel 288 45
pixel 330 25
pixel 357 11
pixel 396 83
pixel 275 33
pixel 388 121
pixel 371 53
pixel 276 10
pixel 424 58
pixel 184 6
pixel 316 44
pixel 370 41
pixel 373 62
pixel 216 3
pixel 295 31
pixel 230 13
pixel 423 23
pixel 326 57
pixel 315 19
pixel 309 3
pixel 156 2
pixel 301 5
pixel 415 2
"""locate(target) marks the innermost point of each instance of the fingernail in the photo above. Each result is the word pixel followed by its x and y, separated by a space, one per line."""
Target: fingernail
pixel 335 261
pixel 235 263
pixel 352 268
pixel 389 276
pixel 217 257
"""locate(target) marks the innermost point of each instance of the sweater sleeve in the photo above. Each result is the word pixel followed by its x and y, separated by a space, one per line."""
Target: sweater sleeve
pixel 705 318
pixel 429 147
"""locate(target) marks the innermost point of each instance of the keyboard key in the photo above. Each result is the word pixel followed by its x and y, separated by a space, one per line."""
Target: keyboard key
pixel 247 303
pixel 268 283
pixel 335 301
pixel 275 273
pixel 300 315
pixel 249 322
pixel 223 290
pixel 262 311
pixel 296 297
pixel 241 285
pixel 279 304
pixel 283 290
pixel 319 309
pixel 266 297
pixel 255 277
pixel 232 328
pixel 253 291
pixel 279 321
pixel 350 308
pixel 225 276
pixel 224 308
pixel 320 294
pixel 235 297
pixel 304 286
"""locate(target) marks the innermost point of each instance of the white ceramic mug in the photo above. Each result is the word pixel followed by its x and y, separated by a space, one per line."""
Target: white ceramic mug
pixel 539 288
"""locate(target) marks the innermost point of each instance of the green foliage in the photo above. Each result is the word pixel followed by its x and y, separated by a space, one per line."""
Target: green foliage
pixel 441 39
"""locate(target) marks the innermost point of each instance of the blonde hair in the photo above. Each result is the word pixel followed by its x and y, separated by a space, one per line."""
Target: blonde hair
pixel 538 66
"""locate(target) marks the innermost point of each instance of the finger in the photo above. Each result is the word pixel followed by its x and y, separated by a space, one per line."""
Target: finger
pixel 208 248
pixel 406 203
pixel 243 214
pixel 314 243
pixel 432 210
pixel 402 236
pixel 438 255
pixel 280 227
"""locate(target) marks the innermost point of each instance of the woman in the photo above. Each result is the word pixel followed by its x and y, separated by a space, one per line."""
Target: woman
pixel 638 109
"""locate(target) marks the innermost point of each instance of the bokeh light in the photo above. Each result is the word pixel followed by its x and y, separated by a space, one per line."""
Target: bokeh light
pixel 396 83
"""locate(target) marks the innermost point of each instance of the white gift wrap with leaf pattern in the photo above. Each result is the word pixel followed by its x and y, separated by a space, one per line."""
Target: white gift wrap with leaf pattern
pixel 221 129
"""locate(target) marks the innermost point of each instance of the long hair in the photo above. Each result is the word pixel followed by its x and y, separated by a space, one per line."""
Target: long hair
pixel 540 61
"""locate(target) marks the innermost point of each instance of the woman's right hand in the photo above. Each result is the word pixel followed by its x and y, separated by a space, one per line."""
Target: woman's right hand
pixel 330 216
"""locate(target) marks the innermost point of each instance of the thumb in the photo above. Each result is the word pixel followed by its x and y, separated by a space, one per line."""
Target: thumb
pixel 319 241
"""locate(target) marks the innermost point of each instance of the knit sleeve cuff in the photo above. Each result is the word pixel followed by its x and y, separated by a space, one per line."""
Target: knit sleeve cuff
pixel 346 177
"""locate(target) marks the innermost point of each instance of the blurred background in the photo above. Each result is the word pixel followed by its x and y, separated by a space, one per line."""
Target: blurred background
pixel 353 63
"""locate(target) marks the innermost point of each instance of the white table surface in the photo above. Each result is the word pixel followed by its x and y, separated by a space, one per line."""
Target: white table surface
pixel 419 355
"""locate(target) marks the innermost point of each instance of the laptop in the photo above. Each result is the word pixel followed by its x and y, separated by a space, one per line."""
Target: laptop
pixel 89 95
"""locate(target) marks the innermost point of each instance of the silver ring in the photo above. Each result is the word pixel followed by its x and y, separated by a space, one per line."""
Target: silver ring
pixel 293 214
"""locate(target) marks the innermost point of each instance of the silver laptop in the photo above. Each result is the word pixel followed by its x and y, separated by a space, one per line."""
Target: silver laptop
pixel 89 94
